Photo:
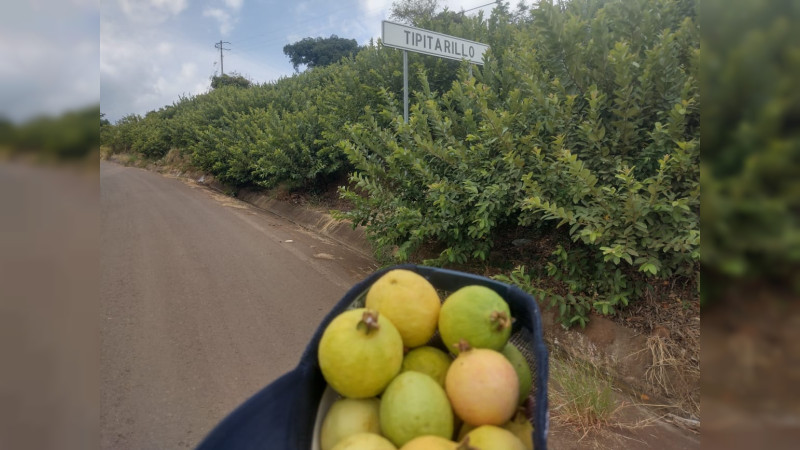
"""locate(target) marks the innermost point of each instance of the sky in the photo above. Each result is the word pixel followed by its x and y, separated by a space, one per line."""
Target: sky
pixel 135 56
pixel 152 52
pixel 49 54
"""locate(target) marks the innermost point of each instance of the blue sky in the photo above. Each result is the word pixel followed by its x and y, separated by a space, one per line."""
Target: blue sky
pixel 153 51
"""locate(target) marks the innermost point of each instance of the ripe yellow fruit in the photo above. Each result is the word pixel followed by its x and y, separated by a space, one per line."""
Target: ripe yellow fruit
pixel 522 429
pixel 430 443
pixel 489 437
pixel 409 301
pixel 428 360
pixel 482 387
pixel 348 416
pixel 365 441
pixel 359 353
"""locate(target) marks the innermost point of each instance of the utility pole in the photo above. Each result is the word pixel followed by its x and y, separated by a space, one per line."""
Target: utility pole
pixel 221 46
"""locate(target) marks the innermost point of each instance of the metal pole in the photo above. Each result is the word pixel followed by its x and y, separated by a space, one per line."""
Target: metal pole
pixel 221 46
pixel 405 86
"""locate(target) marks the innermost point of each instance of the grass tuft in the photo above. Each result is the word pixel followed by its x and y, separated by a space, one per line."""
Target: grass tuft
pixel 581 394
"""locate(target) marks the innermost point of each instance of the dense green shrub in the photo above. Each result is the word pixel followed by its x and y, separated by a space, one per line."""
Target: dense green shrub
pixel 751 146
pixel 71 135
pixel 581 131
pixel 588 120
pixel 234 79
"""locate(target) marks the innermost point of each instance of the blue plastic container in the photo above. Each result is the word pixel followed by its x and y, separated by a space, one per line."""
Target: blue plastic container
pixel 284 413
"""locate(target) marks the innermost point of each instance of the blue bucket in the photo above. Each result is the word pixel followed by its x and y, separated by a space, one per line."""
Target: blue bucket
pixel 286 414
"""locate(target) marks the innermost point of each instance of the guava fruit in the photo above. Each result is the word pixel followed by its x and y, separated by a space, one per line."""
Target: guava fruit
pixel 520 365
pixel 489 437
pixel 428 360
pixel 364 441
pixel 482 386
pixel 476 314
pixel 522 428
pixel 359 353
pixel 348 416
pixel 429 443
pixel 409 301
pixel 415 405
pixel 465 428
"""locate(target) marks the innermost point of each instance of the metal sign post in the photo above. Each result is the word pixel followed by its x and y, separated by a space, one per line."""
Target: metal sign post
pixel 405 86
pixel 432 43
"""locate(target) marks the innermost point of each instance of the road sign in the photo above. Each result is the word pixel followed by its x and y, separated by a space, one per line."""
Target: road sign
pixel 427 42
pixel 431 43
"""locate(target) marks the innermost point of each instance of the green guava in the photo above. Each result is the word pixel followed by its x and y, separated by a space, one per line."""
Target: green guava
pixel 520 365
pixel 364 441
pixel 490 437
pixel 359 353
pixel 348 416
pixel 428 360
pixel 415 405
pixel 476 314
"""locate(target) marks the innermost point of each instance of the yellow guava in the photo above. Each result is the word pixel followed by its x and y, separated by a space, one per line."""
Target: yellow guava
pixel 476 314
pixel 429 443
pixel 465 428
pixel 359 353
pixel 348 416
pixel 428 360
pixel 522 428
pixel 409 301
pixel 482 387
pixel 520 365
pixel 415 405
pixel 490 437
pixel 364 441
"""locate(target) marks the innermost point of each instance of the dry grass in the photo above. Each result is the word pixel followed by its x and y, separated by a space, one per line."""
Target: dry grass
pixel 673 374
pixel 581 395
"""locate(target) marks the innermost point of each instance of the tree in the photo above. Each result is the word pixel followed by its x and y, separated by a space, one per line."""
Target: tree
pixel 234 79
pixel 412 12
pixel 318 52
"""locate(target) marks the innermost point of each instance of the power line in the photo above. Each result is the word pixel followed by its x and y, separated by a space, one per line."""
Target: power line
pixel 477 7
pixel 221 46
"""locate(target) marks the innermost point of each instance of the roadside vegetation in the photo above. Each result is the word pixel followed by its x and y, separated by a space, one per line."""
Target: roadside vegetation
pixel 579 137
pixel 71 136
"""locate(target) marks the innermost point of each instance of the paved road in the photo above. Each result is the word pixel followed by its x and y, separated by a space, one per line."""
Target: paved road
pixel 203 301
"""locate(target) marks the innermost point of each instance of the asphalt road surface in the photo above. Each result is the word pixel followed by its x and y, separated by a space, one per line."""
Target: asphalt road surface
pixel 203 301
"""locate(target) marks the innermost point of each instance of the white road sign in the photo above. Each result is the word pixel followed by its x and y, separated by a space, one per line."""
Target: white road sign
pixel 432 43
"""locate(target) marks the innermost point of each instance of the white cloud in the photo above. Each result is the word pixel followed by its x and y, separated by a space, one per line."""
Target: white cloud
pixel 371 6
pixel 152 11
pixel 134 79
pixel 140 73
pixel 225 20
pixel 234 4
pixel 42 75
pixel 226 16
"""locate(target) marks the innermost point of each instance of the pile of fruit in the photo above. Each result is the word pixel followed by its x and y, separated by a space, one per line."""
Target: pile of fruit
pixel 398 391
